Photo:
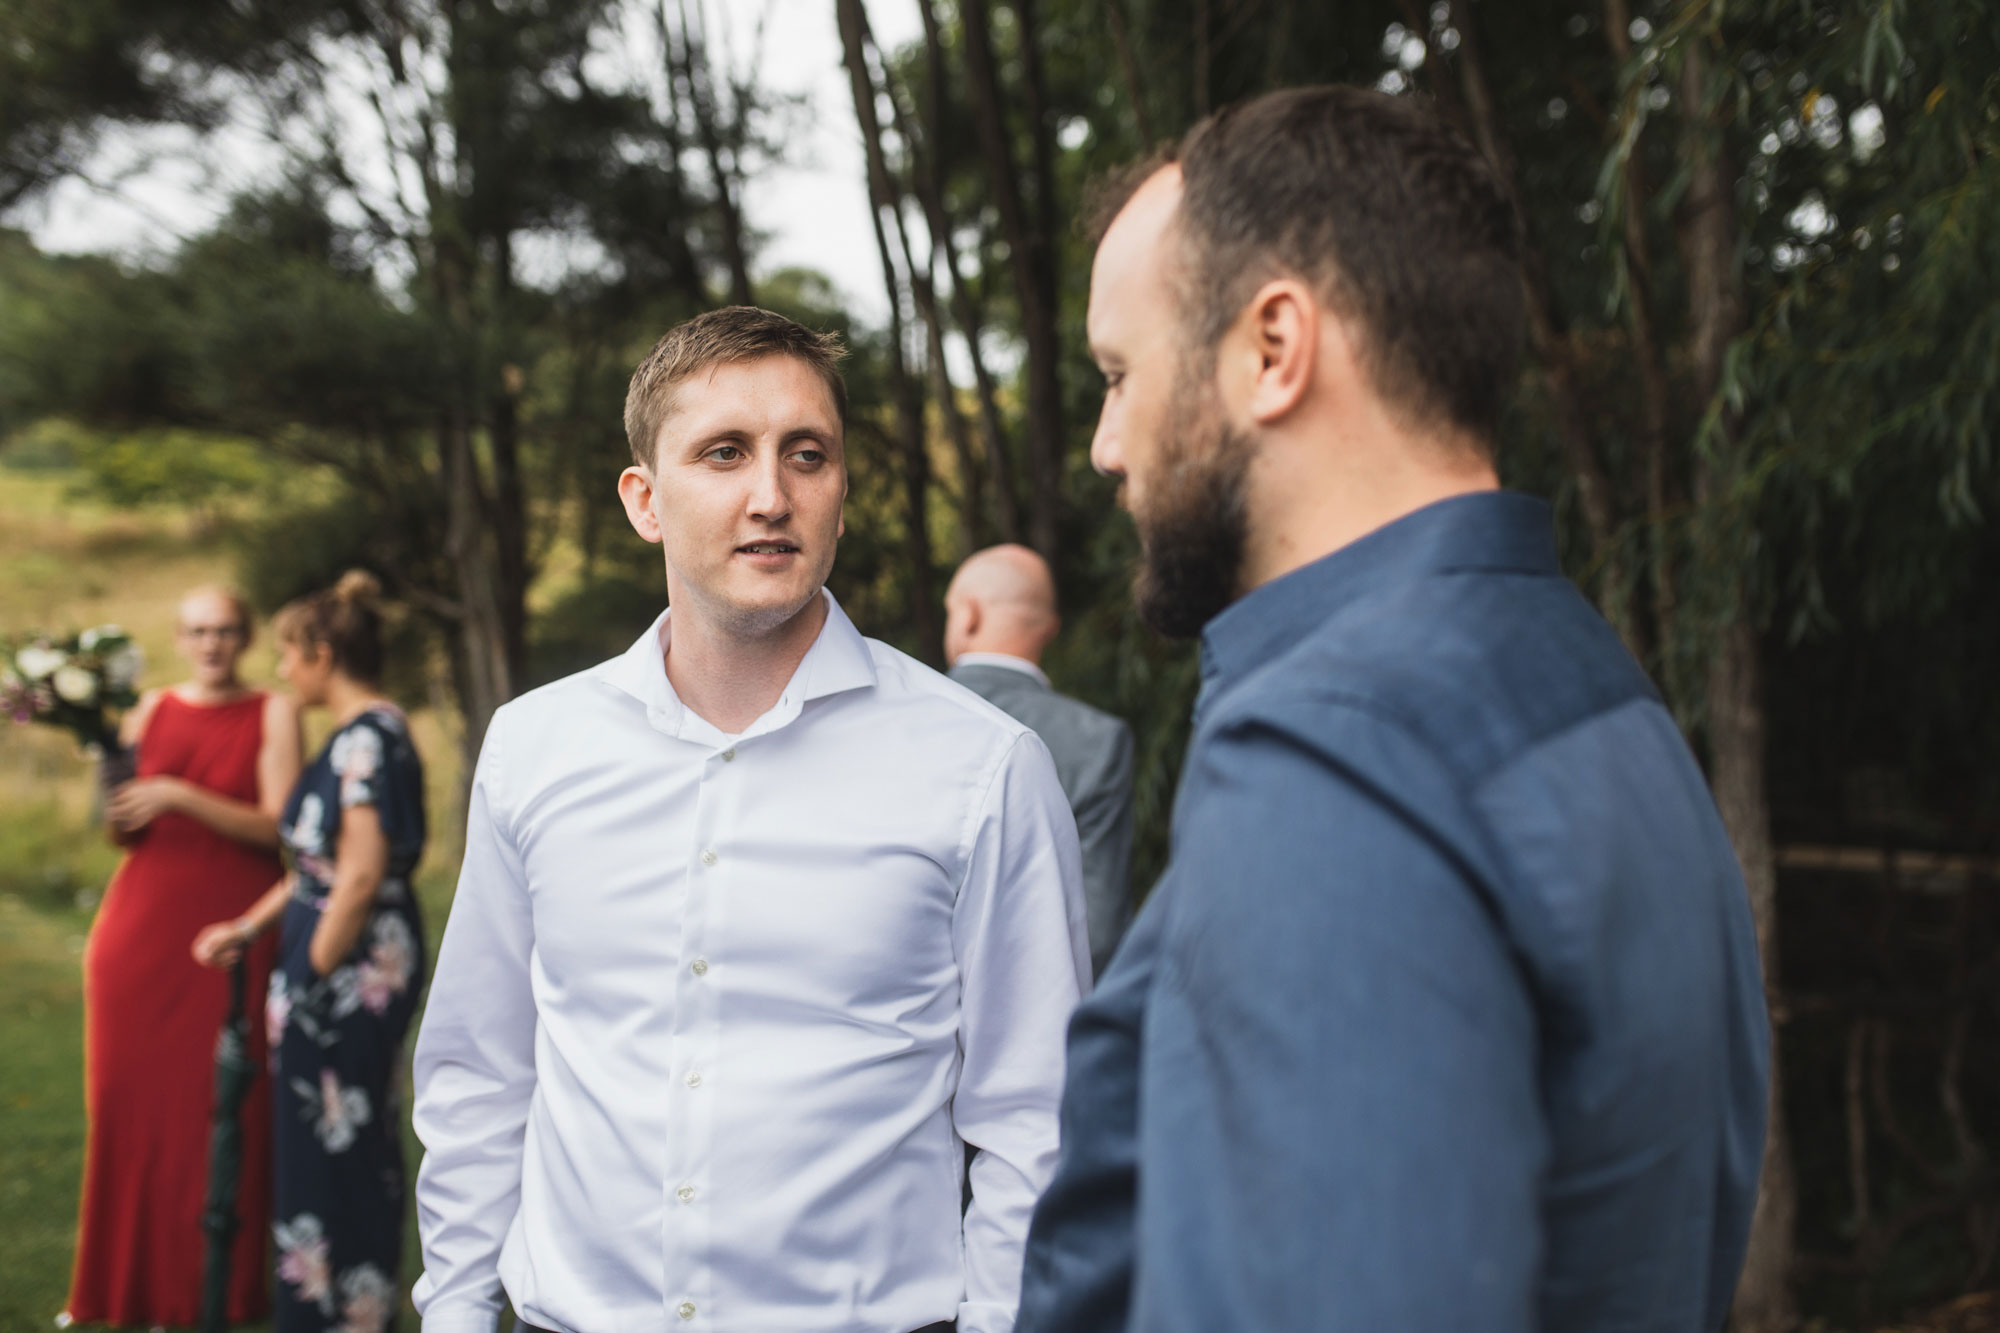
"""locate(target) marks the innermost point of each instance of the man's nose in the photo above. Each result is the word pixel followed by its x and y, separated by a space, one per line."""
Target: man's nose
pixel 769 499
pixel 1107 453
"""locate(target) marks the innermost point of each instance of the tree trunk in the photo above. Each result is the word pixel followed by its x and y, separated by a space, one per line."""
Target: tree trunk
pixel 686 269
pixel 1652 371
pixel 904 388
pixel 1548 331
pixel 484 668
pixel 965 310
pixel 509 516
pixel 1128 67
pixel 1709 237
pixel 700 94
pixel 1047 445
pixel 1736 771
pixel 1033 289
pixel 974 527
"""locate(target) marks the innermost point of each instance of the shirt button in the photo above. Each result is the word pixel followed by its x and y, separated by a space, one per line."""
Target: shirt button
pixel 708 857
pixel 685 1194
pixel 700 967
pixel 693 1078
pixel 728 755
pixel 686 1310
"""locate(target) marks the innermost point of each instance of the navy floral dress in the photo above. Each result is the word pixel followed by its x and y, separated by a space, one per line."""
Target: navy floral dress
pixel 336 1041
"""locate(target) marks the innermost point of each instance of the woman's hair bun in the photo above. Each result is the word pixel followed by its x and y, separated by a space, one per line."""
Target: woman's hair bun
pixel 357 587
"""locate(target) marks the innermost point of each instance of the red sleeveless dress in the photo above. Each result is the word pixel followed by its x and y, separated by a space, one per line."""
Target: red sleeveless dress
pixel 150 1019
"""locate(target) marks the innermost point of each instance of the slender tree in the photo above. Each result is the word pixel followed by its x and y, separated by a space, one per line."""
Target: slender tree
pixel 905 388
pixel 1031 264
pixel 928 172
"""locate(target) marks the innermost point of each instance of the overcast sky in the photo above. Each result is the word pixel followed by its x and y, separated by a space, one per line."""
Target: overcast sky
pixel 147 191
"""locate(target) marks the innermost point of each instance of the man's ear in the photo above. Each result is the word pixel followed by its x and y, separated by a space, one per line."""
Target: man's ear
pixel 635 490
pixel 1274 349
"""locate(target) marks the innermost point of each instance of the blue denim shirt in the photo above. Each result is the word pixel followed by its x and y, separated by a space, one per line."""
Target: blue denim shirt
pixel 1447 1012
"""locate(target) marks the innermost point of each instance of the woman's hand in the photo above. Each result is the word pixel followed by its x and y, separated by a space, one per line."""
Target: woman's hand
pixel 138 803
pixel 221 944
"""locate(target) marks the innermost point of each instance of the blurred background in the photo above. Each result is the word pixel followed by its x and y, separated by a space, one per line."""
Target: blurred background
pixel 290 288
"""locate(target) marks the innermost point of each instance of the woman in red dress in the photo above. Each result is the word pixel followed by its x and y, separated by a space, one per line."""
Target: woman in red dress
pixel 216 761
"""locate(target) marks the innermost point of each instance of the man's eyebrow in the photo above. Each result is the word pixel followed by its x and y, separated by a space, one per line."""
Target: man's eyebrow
pixel 718 436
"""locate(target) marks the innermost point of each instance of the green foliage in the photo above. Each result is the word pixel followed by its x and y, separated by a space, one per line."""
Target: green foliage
pixel 69 67
pixel 598 619
pixel 167 465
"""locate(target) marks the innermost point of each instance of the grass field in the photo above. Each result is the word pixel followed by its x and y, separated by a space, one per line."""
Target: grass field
pixel 66 563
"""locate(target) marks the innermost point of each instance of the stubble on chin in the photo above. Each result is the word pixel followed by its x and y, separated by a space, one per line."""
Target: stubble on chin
pixel 753 619
pixel 743 622
pixel 1194 524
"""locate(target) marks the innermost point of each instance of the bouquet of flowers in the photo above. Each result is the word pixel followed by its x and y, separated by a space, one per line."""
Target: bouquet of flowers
pixel 79 683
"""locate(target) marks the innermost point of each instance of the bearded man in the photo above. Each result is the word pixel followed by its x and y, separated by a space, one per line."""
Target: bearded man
pixel 1446 1013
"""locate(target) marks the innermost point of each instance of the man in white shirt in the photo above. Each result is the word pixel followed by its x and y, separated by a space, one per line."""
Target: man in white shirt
pixel 759 924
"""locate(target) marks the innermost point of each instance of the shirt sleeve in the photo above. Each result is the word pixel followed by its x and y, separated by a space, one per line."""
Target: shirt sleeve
pixel 1023 963
pixel 1341 1122
pixel 475 1073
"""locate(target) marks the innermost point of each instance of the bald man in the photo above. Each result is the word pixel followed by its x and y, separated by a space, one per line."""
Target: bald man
pixel 1000 614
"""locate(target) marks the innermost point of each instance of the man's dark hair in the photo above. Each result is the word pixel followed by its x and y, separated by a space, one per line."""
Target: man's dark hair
pixel 1395 220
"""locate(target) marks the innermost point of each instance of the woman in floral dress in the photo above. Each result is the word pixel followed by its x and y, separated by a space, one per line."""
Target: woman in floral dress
pixel 350 964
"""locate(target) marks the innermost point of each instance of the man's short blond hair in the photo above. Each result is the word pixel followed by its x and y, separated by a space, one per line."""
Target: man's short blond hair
pixel 720 337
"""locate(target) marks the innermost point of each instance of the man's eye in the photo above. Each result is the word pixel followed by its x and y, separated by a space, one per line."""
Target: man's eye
pixel 727 453
pixel 809 456
pixel 1112 380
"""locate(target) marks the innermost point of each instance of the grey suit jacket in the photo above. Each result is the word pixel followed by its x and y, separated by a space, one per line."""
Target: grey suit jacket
pixel 1093 754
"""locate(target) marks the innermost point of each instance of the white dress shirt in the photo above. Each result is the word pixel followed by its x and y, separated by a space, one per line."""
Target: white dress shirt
pixel 714 1015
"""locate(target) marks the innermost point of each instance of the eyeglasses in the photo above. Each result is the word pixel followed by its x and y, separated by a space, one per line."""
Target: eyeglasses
pixel 221 633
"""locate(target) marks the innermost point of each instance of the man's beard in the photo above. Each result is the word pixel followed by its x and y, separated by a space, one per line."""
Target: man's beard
pixel 1194 525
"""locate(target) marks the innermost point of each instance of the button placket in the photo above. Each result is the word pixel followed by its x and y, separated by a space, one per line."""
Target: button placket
pixel 685 1225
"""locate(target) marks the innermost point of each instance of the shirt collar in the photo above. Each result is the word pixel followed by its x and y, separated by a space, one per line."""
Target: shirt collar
pixel 1488 530
pixel 838 661
pixel 1006 662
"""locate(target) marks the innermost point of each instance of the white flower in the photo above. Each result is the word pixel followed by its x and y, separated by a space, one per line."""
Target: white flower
pixel 39 661
pixel 74 685
pixel 277 1010
pixel 368 1300
pixel 356 756
pixel 309 829
pixel 91 638
pixel 303 1261
pixel 122 668
pixel 386 972
pixel 337 1112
